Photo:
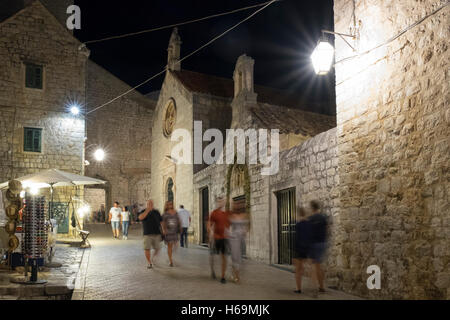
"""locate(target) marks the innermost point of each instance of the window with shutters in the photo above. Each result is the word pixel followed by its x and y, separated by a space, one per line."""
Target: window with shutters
pixel 32 140
pixel 33 76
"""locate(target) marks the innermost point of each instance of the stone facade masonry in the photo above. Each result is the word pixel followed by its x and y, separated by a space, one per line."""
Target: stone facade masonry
pixel 310 168
pixel 33 35
pixel 63 80
pixel 393 146
pixel 124 130
pixel 162 167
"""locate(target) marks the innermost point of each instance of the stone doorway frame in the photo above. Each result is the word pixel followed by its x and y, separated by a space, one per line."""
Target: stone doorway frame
pixel 107 187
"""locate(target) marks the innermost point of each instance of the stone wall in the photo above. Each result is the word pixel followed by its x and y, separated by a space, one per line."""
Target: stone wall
pixel 393 145
pixel 124 130
pixel 310 168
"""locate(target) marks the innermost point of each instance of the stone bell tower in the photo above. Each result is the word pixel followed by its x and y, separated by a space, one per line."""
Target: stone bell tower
pixel 173 51
pixel 244 93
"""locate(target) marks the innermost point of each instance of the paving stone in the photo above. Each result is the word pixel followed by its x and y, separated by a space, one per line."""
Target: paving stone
pixel 117 270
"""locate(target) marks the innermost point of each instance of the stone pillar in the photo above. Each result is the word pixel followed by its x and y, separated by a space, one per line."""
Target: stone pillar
pixel 173 50
pixel 244 93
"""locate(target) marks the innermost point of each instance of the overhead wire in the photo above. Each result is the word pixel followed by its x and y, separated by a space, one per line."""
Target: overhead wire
pixel 185 57
pixel 178 24
pixel 396 36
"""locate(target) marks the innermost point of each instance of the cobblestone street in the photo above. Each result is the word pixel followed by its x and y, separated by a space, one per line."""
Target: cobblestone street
pixel 117 269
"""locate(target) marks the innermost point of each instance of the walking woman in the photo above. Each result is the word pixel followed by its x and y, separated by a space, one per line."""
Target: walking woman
pixel 171 226
pixel 239 223
pixel 125 222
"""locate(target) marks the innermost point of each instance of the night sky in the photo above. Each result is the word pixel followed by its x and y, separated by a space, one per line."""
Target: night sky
pixel 280 39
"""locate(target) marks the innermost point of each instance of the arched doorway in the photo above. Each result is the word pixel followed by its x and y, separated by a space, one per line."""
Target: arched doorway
pixel 238 188
pixel 238 194
pixel 170 190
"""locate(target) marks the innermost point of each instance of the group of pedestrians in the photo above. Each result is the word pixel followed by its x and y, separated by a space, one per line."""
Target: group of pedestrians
pixel 120 216
pixel 171 227
pixel 227 231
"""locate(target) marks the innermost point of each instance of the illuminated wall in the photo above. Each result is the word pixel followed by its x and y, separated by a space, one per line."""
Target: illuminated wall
pixel 393 145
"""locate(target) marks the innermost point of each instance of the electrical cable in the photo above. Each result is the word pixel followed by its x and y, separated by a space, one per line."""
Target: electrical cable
pixel 396 36
pixel 179 24
pixel 184 58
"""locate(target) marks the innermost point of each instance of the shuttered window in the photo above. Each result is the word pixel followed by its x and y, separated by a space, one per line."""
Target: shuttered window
pixel 33 76
pixel 32 140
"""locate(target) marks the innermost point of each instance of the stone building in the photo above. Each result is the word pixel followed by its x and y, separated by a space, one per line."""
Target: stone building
pixel 42 70
pixel 381 174
pixel 124 130
pixel 45 70
pixel 393 143
pixel 187 98
pixel 380 168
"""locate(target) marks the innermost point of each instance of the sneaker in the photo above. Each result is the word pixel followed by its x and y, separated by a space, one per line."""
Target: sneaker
pixel 298 291
pixel 170 264
pixel 223 281
pixel 322 290
pixel 150 266
pixel 213 275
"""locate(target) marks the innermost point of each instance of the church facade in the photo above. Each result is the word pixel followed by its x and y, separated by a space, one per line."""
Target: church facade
pixel 194 101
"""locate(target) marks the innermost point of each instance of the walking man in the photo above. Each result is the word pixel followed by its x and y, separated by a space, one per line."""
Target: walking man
pixel 151 224
pixel 114 219
pixel 185 218
pixel 318 224
pixel 217 225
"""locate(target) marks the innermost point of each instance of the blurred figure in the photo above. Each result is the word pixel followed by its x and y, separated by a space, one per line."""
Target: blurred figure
pixel 238 229
pixel 114 219
pixel 151 224
pixel 185 218
pixel 126 219
pixel 218 222
pixel 171 226
pixel 302 245
pixel 318 224
pixel 102 213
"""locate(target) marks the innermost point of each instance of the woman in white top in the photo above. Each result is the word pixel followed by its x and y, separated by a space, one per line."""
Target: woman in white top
pixel 125 222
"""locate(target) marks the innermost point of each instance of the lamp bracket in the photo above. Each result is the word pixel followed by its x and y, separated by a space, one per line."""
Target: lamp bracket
pixel 342 35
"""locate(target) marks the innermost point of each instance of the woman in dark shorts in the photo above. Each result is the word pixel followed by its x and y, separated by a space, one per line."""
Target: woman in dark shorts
pixel 171 228
pixel 302 246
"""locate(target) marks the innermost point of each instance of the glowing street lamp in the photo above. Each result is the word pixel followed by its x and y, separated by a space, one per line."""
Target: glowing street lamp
pixel 75 110
pixel 322 57
pixel 99 155
pixel 84 210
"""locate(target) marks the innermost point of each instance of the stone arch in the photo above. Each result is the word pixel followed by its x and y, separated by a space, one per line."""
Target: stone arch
pixel 238 173
pixel 169 190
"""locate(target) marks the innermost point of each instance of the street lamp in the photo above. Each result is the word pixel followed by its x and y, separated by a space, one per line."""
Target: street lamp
pixel 99 155
pixel 75 110
pixel 323 54
pixel 322 57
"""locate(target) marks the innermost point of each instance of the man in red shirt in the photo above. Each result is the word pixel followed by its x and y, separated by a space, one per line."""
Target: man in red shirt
pixel 217 224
